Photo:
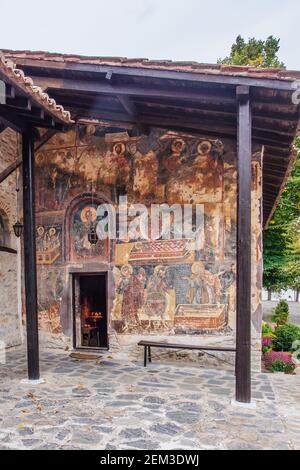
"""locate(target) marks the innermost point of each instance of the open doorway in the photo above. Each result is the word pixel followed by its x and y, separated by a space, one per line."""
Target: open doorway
pixel 90 311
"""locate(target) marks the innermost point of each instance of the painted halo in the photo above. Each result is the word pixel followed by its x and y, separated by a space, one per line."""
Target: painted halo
pixel 40 230
pixel 122 148
pixel 204 147
pixel 52 231
pixel 197 267
pixel 178 145
pixel 84 214
pixel 126 270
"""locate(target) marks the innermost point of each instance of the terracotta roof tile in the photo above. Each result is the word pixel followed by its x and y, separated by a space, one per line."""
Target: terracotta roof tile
pixel 180 66
pixel 17 78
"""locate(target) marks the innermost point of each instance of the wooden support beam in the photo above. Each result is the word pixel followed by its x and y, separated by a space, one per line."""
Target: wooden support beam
pixel 131 109
pixel 243 294
pixel 10 91
pixel 11 122
pixel 10 169
pixel 106 88
pixel 39 113
pixel 44 139
pixel 19 103
pixel 2 127
pixel 128 106
pixel 30 256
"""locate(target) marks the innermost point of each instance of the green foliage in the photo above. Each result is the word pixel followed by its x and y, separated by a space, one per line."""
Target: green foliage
pixel 281 313
pixel 254 52
pixel 282 238
pixel 280 366
pixel 266 329
pixel 285 337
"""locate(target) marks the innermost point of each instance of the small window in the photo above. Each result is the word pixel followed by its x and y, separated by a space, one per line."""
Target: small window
pixel 4 236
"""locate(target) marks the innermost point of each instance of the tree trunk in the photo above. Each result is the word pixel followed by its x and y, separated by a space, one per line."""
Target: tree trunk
pixel 269 294
pixel 297 295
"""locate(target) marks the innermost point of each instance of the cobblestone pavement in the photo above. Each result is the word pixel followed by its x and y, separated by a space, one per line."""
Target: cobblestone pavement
pixel 111 404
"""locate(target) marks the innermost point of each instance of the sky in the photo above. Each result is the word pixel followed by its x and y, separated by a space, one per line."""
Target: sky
pixel 157 29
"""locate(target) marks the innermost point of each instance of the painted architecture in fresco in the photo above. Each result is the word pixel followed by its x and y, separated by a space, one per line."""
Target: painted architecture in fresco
pixel 155 286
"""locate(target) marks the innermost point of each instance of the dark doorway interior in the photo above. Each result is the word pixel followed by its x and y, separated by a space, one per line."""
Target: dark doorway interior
pixel 93 311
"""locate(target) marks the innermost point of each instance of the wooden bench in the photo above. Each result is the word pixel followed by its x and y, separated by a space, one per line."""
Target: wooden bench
pixel 150 344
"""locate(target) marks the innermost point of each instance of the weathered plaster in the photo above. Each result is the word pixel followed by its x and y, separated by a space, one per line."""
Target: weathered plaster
pixel 10 279
pixel 159 288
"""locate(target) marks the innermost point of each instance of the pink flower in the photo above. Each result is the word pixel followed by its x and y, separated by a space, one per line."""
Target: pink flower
pixel 273 356
pixel 267 341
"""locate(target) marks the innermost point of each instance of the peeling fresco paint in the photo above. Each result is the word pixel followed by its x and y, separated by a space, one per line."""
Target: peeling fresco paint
pixel 159 286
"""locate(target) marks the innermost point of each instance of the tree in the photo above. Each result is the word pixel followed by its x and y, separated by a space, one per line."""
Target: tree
pixel 282 237
pixel 254 52
pixel 293 265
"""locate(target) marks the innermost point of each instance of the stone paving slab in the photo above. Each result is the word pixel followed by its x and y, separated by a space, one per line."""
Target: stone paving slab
pixel 110 404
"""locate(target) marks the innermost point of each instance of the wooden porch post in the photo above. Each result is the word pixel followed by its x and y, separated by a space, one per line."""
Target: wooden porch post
pixel 30 256
pixel 243 293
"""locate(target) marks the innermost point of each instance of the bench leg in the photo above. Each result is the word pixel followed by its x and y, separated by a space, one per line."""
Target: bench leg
pixel 149 354
pixel 145 356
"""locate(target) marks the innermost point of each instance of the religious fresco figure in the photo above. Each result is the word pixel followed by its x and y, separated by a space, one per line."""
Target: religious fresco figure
pixel 48 244
pixel 157 297
pixel 177 157
pixel 145 173
pixel 122 163
pixel 204 287
pixel 199 180
pixel 84 219
pixel 133 295
pixel 89 164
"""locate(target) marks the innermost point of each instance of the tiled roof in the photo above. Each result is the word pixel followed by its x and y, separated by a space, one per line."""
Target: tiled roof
pixel 18 79
pixel 192 67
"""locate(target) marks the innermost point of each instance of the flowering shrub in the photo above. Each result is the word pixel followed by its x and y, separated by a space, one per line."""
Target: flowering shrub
pixel 267 343
pixel 277 361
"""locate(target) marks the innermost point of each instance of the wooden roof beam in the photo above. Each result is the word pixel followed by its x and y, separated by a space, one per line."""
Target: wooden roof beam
pixel 31 65
pixel 10 169
pixel 99 87
pixel 10 120
pixel 128 106
pixel 19 102
pixel 2 127
pixel 10 91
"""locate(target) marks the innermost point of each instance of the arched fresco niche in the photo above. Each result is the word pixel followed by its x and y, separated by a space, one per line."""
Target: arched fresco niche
pixel 81 216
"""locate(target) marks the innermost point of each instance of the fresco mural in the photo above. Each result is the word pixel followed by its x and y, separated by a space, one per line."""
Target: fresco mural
pixel 84 220
pixel 50 291
pixel 164 286
pixel 48 244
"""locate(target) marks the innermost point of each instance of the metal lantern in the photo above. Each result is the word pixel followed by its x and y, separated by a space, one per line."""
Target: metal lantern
pixel 92 236
pixel 18 229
